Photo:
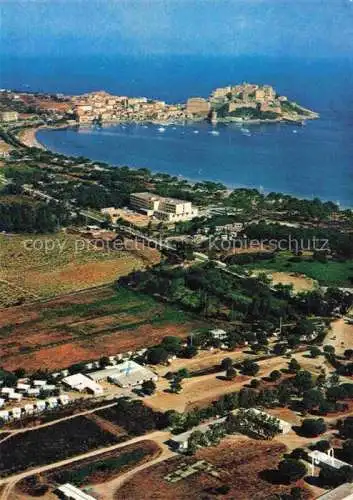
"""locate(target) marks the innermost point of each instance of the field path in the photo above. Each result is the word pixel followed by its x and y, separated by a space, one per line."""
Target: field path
pixel 10 482
pixel 109 489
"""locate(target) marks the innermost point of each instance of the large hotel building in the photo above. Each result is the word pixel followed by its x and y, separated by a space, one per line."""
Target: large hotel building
pixel 168 209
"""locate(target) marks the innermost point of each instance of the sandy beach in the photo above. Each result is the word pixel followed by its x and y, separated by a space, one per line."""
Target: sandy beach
pixel 29 139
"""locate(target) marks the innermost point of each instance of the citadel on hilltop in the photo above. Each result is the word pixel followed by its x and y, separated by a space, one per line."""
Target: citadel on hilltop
pixel 244 102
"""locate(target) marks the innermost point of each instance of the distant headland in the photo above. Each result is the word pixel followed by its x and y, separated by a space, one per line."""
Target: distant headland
pixel 245 102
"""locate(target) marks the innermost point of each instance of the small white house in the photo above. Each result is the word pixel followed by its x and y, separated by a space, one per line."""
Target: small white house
pixel 16 413
pixel 52 402
pixel 48 387
pixel 15 396
pixel 63 399
pixel 218 334
pixel 7 390
pixel 4 415
pixel 2 402
pixel 29 409
pixel 33 392
pixel 39 383
pixel 22 387
pixel 40 405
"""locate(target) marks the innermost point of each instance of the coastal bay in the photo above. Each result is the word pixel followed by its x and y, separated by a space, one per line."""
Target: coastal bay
pixel 302 161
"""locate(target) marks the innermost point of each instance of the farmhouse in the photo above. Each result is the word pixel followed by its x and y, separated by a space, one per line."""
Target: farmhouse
pixel 80 382
pixel 69 492
pixel 126 374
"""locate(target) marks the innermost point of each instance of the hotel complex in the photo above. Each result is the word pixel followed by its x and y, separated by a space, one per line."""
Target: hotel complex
pixel 167 209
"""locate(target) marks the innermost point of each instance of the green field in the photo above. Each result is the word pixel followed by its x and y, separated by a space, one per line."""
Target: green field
pixel 331 273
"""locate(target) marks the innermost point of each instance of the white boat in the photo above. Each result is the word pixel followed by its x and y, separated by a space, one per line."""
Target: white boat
pixel 214 132
pixel 294 131
pixel 195 131
pixel 161 129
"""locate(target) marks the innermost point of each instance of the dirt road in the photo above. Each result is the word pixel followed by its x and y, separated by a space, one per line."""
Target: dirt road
pixel 10 482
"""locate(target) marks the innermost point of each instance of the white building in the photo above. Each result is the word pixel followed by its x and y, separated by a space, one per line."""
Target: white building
pixel 52 403
pixel 4 415
pixel 15 396
pixel 218 333
pixel 22 387
pixel 7 390
pixel 63 399
pixel 16 413
pixel 168 209
pixel 2 402
pixel 39 383
pixel 80 382
pixel 40 406
pixel 324 459
pixel 126 374
pixel 69 492
pixel 33 392
pixel 48 387
pixel 29 409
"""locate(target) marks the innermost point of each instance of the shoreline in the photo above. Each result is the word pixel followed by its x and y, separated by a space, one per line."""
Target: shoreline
pixel 230 187
pixel 28 137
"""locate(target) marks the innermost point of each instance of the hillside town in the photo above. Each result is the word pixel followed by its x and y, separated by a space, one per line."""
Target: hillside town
pixel 232 103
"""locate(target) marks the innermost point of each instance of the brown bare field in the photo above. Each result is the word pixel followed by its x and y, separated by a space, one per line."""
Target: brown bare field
pixel 83 326
pixel 240 463
pixel 341 336
pixel 37 267
pixel 300 282
pixel 200 391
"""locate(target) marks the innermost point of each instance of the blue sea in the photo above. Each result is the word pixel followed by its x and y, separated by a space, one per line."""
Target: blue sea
pixel 313 160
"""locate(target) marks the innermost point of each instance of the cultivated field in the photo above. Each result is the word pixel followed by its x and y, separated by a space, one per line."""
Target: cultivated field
pixel 34 267
pixel 93 470
pixel 239 464
pixel 85 326
pixel 52 444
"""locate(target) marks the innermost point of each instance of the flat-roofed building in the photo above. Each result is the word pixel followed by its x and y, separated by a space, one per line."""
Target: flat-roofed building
pixel 80 382
pixel 4 415
pixel 69 492
pixel 15 396
pixel 164 208
pixel 16 413
pixel 126 374
pixel 2 402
